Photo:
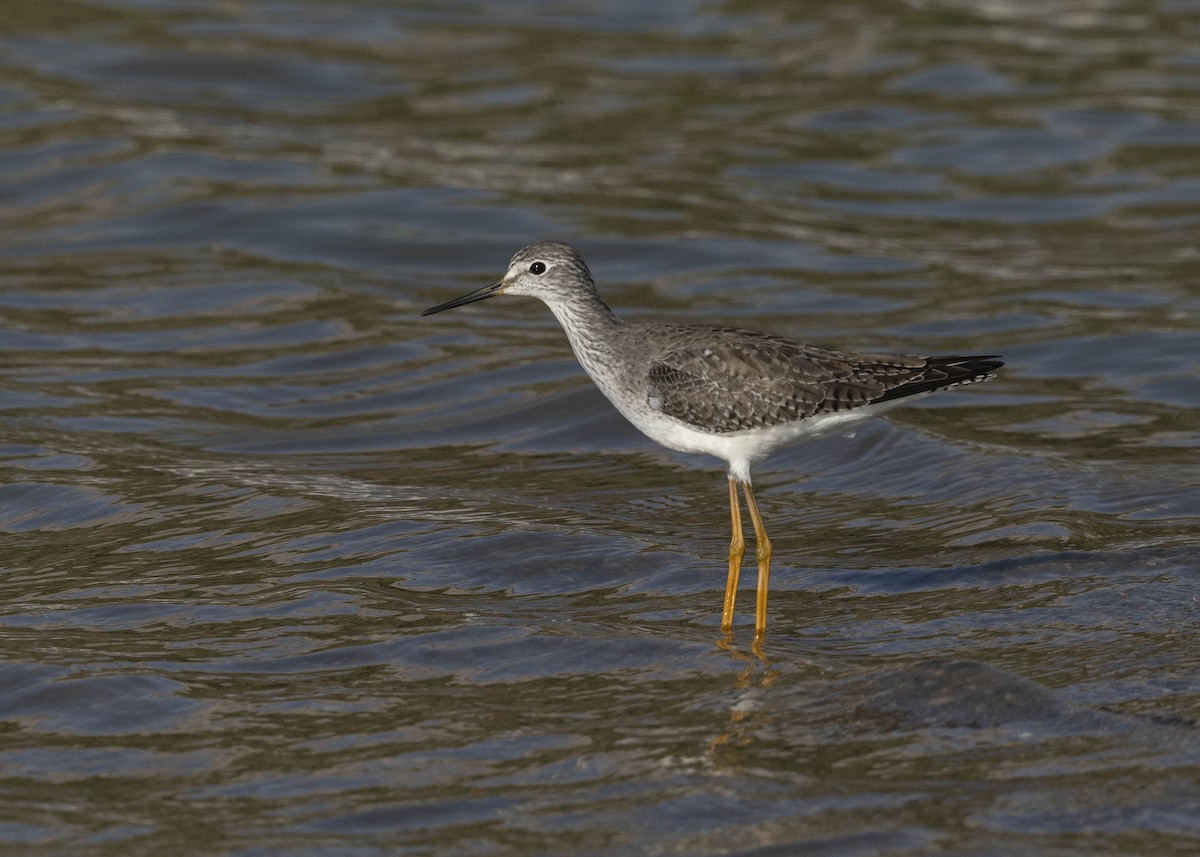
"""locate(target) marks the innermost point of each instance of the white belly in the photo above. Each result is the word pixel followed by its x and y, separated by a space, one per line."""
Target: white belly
pixel 742 448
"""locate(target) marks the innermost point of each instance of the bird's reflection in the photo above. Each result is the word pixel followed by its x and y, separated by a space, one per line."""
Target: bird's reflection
pixel 753 681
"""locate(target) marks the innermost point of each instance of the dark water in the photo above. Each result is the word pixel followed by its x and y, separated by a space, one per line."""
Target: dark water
pixel 290 570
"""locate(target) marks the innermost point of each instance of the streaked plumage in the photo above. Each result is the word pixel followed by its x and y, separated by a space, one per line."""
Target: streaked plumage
pixel 735 394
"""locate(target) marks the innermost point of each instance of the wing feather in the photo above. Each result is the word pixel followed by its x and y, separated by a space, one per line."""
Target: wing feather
pixel 744 380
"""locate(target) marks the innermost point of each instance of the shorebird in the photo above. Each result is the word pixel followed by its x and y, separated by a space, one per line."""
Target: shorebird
pixel 735 394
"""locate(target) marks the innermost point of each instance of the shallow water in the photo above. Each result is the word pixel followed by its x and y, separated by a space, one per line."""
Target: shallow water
pixel 289 569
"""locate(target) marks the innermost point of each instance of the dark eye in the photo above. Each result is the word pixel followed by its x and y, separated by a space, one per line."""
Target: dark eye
pixel 537 268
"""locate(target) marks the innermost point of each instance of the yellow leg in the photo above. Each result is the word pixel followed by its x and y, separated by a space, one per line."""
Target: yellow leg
pixel 737 549
pixel 763 551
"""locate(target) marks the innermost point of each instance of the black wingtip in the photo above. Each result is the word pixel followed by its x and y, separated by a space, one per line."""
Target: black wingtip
pixel 978 364
pixel 950 370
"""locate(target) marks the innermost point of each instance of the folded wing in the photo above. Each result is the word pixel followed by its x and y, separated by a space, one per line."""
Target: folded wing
pixel 745 380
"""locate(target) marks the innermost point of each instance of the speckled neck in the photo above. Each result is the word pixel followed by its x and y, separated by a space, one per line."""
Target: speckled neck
pixel 589 324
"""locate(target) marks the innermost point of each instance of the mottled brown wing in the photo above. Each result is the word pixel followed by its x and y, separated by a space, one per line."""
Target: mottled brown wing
pixel 743 380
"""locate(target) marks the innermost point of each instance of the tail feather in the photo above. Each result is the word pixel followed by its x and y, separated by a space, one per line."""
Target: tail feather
pixel 946 371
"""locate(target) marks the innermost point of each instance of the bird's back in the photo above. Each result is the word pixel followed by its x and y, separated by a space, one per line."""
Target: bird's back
pixel 722 380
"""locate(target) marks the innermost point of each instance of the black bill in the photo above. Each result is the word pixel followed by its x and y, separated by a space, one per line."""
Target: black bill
pixel 477 295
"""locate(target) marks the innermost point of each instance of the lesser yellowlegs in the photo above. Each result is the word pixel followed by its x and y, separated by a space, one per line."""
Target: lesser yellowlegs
pixel 735 394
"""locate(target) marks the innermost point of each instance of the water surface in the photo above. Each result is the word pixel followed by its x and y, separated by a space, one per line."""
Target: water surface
pixel 290 570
